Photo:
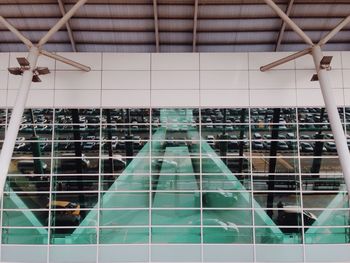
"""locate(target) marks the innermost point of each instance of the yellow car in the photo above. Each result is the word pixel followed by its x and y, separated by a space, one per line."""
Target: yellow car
pixel 65 213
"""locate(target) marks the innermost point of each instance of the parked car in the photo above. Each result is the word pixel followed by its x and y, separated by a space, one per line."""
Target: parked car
pixel 257 145
pixel 330 146
pixel 306 147
pixel 65 213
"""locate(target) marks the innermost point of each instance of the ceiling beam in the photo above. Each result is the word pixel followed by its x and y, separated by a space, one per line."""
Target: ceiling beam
pixel 195 22
pixel 69 29
pixel 283 26
pixel 156 26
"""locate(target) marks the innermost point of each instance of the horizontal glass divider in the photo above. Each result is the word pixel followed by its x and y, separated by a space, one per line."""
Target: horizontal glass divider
pixel 173 226
pixel 196 156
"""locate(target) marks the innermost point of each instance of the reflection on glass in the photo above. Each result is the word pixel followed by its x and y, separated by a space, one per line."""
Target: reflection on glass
pixel 278 164
pixel 227 218
pixel 124 217
pixel 176 217
pixel 164 235
pixel 124 235
pixel 30 236
pixel 225 199
pixel 327 235
pixel 134 176
pixel 227 234
pixel 274 235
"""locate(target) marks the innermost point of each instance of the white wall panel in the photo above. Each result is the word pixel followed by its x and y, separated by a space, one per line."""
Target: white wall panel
pixel 273 98
pixel 256 60
pixel 313 97
pixel 29 253
pixel 228 253
pixel 36 98
pixel 125 98
pixel 40 98
pixel 122 253
pixel 176 253
pixel 43 61
pixel 346 75
pixel 92 60
pixel 274 79
pixel 3 97
pixel 279 253
pixel 126 80
pixel 47 82
pixel 78 80
pixel 175 61
pixel 175 98
pixel 307 62
pixel 303 78
pixel 347 97
pixel 224 61
pixel 346 59
pixel 327 253
pixel 224 98
pixel 126 61
pixel 4 61
pixel 3 79
pixel 72 254
pixel 77 98
pixel 223 79
pixel 175 80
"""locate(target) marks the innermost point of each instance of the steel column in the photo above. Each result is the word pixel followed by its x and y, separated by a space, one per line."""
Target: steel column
pixel 16 117
pixel 333 115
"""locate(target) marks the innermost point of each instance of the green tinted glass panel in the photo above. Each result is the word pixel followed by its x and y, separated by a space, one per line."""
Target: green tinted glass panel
pixel 164 235
pixel 124 217
pixel 176 217
pixel 124 235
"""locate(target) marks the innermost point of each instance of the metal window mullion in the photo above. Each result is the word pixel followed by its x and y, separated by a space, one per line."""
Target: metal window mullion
pixel 97 227
pixel 252 199
pixel 150 186
pixel 201 180
pixel 300 185
pixel 51 186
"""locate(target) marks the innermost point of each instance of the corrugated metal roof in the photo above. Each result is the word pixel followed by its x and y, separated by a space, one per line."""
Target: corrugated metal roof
pixel 129 25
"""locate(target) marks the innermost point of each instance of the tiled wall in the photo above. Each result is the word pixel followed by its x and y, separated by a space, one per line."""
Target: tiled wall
pixel 177 79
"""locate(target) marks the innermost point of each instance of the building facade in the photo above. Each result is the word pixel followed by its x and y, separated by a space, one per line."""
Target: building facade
pixel 175 158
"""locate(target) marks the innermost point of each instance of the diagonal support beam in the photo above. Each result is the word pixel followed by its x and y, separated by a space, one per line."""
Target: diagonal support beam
pixel 16 117
pixel 283 27
pixel 10 27
pixel 65 60
pixel 325 84
pixel 68 27
pixel 195 22
pixel 61 22
pixel 22 95
pixel 286 59
pixel 333 115
pixel 331 34
pixel 156 26
pixel 289 22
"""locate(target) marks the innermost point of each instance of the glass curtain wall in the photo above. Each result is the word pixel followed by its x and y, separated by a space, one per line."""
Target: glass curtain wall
pixel 175 176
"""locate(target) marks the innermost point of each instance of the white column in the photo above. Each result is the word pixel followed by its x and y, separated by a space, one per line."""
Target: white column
pixel 333 115
pixel 16 117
